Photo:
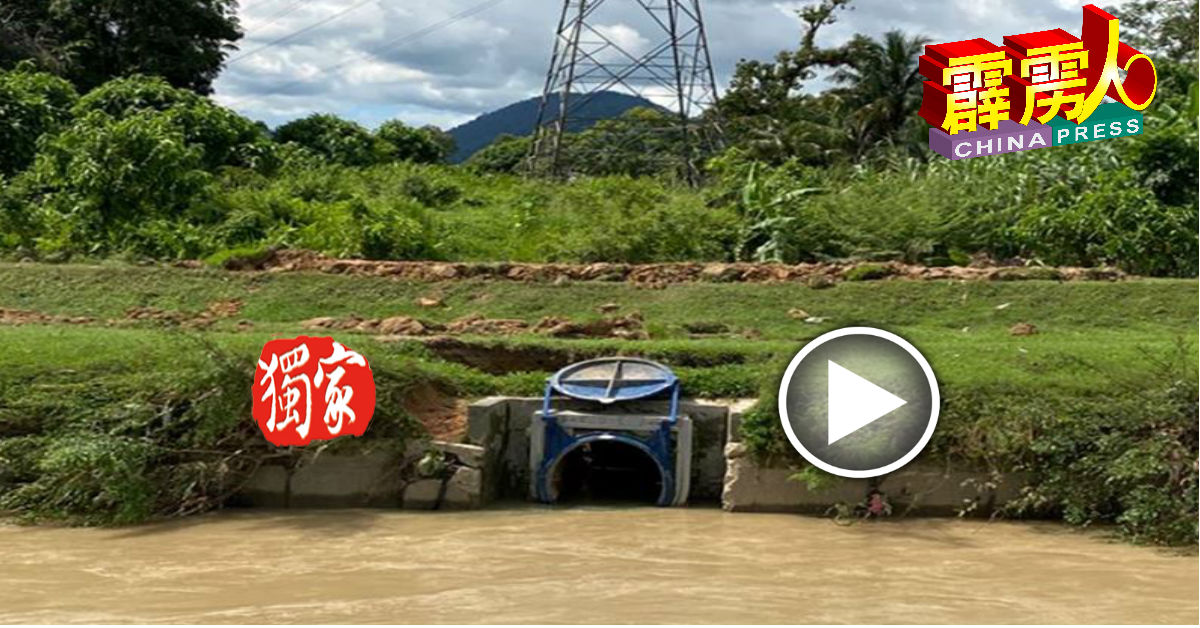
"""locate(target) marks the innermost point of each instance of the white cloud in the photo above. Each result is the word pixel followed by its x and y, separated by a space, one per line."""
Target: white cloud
pixel 369 66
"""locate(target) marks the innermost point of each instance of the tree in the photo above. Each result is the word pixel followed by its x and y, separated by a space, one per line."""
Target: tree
pixel 224 137
pixel 765 104
pixel 32 104
pixel 642 141
pixel 506 154
pixel 340 141
pixel 92 41
pixel 26 34
pixel 879 89
pixel 1162 29
pixel 764 88
pixel 103 177
pixel 1166 155
pixel 426 145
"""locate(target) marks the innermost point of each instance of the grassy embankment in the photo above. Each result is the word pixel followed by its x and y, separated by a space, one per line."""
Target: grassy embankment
pixel 135 396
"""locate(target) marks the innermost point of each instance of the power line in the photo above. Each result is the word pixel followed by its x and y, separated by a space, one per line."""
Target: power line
pixel 306 29
pixel 404 39
pixel 290 9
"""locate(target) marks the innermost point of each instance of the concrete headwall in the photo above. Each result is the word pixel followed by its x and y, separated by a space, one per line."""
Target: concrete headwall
pixel 494 464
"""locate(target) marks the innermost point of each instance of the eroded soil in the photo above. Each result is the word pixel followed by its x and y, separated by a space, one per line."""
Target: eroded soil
pixel 814 274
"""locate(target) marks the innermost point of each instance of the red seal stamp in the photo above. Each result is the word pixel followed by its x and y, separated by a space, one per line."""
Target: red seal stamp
pixel 308 389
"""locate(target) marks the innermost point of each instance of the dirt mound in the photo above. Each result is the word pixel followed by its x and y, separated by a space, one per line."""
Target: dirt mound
pixel 655 275
pixel 25 317
pixel 193 320
pixel 201 320
pixel 629 327
pixel 476 324
pixel 224 309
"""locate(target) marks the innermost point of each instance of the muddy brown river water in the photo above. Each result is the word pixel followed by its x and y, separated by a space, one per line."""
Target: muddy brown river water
pixel 585 565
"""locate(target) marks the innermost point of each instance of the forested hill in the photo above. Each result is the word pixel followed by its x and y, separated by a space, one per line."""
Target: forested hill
pixel 519 117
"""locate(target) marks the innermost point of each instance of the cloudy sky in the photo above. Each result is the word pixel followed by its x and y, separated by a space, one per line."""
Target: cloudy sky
pixel 444 62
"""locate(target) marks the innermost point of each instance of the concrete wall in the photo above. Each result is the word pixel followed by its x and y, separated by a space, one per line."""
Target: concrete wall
pixel 924 489
pixel 332 480
pixel 917 488
pixel 494 464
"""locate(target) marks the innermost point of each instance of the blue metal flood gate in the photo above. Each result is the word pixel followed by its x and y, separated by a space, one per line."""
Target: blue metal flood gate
pixel 607 386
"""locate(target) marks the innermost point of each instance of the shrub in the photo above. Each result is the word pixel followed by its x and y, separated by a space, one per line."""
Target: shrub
pixel 1096 204
pixel 868 272
pixel 426 145
pixel 32 105
pixel 337 140
pixel 226 138
pixel 166 439
pixel 506 154
pixel 240 258
pixel 621 219
pixel 429 189
pixel 102 177
pixel 90 478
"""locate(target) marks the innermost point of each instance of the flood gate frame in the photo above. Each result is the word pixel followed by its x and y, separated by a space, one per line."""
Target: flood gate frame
pixel 667 440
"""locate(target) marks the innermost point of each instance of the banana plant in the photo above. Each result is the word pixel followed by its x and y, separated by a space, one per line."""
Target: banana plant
pixel 767 217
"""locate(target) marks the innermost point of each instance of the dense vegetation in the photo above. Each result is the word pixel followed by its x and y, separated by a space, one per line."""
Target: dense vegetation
pixel 1121 452
pixel 137 168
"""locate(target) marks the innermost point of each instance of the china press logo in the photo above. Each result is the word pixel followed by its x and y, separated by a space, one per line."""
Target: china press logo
pixel 308 389
pixel 1037 90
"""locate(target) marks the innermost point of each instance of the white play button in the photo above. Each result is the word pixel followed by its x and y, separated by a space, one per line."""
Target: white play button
pixel 855 402
pixel 858 402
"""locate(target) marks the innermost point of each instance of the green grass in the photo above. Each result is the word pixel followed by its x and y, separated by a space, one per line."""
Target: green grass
pixel 1089 332
pixel 108 291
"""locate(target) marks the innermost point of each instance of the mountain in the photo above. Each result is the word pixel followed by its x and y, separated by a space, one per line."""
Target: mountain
pixel 519 118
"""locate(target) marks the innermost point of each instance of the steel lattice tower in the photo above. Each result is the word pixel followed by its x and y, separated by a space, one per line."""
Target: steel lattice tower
pixel 668 65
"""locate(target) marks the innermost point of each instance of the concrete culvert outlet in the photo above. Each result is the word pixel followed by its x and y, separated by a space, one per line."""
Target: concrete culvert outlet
pixel 607 471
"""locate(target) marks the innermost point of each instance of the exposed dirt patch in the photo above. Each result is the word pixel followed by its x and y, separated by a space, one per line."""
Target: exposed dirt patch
pixel 1023 329
pixel 194 320
pixel 706 328
pixel 224 309
pixel 476 324
pixel 25 317
pixel 146 313
pixel 657 275
pixel 201 320
pixel 500 359
pixel 445 418
pixel 629 327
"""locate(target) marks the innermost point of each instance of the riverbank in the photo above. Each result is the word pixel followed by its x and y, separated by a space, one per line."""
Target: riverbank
pixel 142 373
pixel 583 565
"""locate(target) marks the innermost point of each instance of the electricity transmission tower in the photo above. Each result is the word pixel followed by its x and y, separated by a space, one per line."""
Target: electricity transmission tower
pixel 665 60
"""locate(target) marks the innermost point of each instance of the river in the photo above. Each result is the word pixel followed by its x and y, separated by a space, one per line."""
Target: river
pixel 590 564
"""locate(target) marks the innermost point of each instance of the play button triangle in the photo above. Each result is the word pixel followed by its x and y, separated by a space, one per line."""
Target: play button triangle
pixel 855 402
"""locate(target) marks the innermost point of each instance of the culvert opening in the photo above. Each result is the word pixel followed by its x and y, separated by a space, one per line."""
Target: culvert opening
pixel 607 471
